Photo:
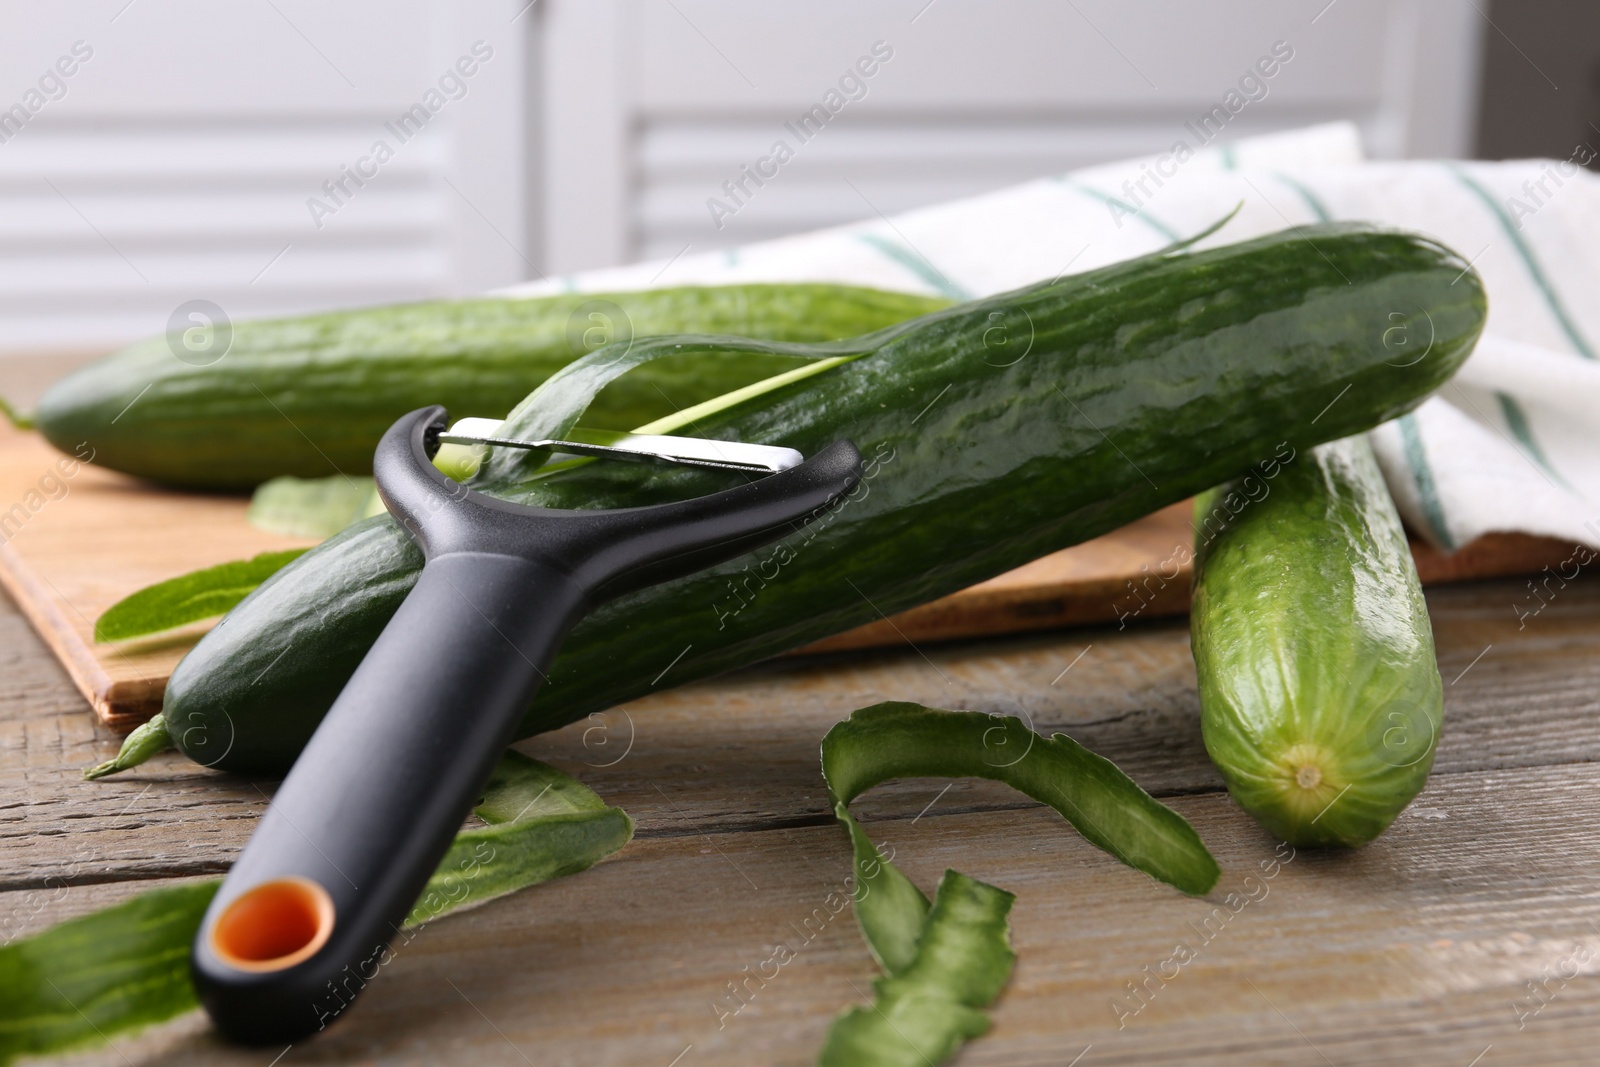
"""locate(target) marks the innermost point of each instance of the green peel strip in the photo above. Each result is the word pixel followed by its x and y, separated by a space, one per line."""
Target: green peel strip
pixel 903 740
pixel 188 598
pixel 553 409
pixel 925 1011
pixel 127 967
pixel 309 507
pixel 946 962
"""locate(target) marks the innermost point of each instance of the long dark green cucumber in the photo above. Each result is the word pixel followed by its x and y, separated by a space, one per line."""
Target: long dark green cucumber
pixel 310 396
pixel 995 432
pixel 1320 697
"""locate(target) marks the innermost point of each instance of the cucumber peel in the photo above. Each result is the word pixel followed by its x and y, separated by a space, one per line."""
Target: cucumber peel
pixel 1320 696
pixel 309 507
pixel 553 409
pixel 946 962
pixel 924 1011
pixel 904 740
pixel 191 597
pixel 126 967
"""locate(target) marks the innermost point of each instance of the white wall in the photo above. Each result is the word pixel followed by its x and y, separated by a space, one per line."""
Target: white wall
pixel 178 160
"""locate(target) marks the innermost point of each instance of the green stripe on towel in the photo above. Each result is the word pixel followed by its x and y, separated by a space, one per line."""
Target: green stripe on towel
pixel 1422 474
pixel 917 265
pixel 1522 430
pixel 1528 259
pixel 1139 213
pixel 1318 208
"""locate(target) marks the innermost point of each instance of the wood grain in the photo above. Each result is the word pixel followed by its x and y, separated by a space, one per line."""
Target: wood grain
pixel 740 752
pixel 75 539
pixel 1416 949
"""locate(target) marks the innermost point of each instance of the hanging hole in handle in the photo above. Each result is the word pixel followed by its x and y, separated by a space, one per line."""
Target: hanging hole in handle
pixel 274 925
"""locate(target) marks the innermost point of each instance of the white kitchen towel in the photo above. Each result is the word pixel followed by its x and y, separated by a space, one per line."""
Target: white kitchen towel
pixel 1508 445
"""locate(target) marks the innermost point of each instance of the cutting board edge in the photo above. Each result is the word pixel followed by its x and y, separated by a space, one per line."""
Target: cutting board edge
pixel 38 606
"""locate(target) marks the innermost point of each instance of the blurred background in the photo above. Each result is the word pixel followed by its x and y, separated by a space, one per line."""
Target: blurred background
pixel 278 156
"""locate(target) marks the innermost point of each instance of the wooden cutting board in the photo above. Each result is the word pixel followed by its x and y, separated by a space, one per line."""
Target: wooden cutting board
pixel 75 539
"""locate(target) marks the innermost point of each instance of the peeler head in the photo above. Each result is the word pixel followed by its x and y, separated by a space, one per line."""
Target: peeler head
pixel 740 457
pixel 607 552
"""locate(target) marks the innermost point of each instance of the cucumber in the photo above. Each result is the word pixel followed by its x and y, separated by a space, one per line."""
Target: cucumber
pixel 994 432
pixel 1320 698
pixel 311 396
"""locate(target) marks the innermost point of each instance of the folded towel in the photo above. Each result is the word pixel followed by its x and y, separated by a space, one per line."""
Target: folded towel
pixel 1507 446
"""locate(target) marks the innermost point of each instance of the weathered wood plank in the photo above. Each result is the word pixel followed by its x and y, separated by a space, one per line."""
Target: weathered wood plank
pixel 741 752
pixel 1415 949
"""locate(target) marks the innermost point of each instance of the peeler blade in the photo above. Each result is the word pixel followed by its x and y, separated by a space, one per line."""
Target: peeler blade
pixel 737 456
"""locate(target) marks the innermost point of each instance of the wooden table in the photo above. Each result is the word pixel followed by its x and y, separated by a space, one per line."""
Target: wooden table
pixel 1415 950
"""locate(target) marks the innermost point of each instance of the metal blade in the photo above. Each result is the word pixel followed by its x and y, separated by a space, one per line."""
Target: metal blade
pixel 638 448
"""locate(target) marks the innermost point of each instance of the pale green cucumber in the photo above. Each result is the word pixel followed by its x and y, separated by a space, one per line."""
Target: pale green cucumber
pixel 1320 698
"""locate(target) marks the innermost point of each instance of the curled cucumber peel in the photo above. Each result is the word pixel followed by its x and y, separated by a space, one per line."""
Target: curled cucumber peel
pixel 946 962
pixel 188 598
pixel 314 507
pixel 553 409
pixel 126 967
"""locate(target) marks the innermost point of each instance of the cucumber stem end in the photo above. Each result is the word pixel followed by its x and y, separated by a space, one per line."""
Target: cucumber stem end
pixel 146 740
pixel 15 417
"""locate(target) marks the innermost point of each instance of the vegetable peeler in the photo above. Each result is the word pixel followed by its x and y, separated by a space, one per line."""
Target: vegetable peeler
pixel 303 920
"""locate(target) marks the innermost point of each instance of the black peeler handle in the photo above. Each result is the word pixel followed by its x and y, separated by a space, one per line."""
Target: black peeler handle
pixel 304 919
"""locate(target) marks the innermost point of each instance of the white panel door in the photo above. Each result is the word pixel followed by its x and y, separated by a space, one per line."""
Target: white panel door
pixel 661 102
pixel 269 156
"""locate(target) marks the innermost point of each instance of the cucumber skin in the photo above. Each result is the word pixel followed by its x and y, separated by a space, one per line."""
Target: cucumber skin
pixel 1194 367
pixel 311 396
pixel 1313 648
